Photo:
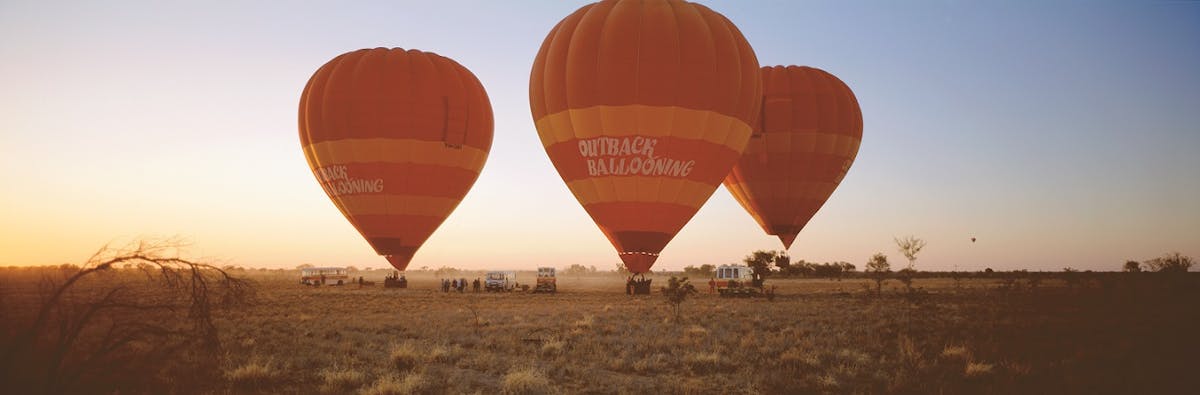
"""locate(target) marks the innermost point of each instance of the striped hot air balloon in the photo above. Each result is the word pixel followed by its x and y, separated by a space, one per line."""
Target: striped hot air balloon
pixel 643 107
pixel 806 140
pixel 396 138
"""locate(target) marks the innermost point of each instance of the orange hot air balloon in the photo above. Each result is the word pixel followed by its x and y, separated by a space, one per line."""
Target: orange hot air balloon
pixel 803 145
pixel 396 138
pixel 643 107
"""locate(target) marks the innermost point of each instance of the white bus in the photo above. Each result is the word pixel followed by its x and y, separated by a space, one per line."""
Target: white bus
pixel 324 276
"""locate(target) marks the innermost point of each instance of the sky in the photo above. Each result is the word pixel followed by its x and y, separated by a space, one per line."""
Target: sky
pixel 1057 133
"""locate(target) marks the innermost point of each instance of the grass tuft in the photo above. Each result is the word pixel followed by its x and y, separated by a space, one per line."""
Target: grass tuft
pixel 955 352
pixel 413 383
pixel 585 323
pixel 976 369
pixel 553 347
pixel 703 362
pixel 526 380
pixel 339 380
pixel 404 356
pixel 252 374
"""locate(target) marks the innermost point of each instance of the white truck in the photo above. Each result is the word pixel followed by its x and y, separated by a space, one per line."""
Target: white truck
pixel 736 280
pixel 546 281
pixel 502 280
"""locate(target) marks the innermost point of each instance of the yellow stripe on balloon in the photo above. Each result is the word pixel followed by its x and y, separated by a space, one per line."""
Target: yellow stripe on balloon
pixel 385 150
pixel 380 204
pixel 639 189
pixel 643 120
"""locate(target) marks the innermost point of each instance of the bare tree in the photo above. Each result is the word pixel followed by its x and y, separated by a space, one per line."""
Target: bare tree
pixel 1170 263
pixel 879 268
pixel 104 329
pixel 910 246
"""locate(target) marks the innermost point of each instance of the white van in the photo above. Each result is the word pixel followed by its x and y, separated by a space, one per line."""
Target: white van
pixel 504 280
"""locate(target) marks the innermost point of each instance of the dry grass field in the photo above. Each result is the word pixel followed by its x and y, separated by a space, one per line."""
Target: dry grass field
pixel 1112 333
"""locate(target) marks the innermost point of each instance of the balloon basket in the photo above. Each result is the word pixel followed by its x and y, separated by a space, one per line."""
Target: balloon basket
pixel 637 286
pixel 395 280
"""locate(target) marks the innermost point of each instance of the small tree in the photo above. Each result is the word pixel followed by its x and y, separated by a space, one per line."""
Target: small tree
pixel 622 270
pixel 1132 267
pixel 1170 263
pixel 760 262
pixel 879 268
pixel 910 246
pixel 677 291
pixel 576 270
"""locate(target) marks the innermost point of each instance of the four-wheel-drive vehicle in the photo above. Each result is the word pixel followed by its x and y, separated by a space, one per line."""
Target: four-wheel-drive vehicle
pixel 546 282
pixel 497 281
pixel 736 280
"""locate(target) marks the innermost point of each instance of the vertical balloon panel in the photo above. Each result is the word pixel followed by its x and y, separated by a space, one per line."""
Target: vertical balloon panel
pixel 643 107
pixel 396 138
pixel 805 142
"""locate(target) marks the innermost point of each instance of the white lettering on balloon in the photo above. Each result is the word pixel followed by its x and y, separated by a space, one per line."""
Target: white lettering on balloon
pixel 611 156
pixel 337 182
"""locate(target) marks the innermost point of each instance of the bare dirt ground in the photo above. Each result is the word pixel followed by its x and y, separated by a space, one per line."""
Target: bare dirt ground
pixel 1107 334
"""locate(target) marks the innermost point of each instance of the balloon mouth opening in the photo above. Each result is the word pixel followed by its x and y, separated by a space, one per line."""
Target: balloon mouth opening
pixel 638 262
pixel 787 240
pixel 400 262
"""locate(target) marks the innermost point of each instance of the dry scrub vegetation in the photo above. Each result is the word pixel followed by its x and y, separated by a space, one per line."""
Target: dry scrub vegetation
pixel 1115 332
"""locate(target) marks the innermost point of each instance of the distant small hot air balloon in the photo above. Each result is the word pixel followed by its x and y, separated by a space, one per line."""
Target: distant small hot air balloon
pixel 805 141
pixel 972 239
pixel 396 138
pixel 643 107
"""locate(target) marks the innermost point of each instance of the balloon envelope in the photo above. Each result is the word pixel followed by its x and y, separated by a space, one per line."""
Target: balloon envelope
pixel 396 138
pixel 805 141
pixel 643 107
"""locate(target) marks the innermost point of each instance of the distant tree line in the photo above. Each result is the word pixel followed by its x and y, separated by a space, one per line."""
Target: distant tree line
pixel 1169 263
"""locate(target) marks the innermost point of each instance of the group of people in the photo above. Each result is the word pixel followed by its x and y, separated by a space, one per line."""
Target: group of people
pixel 395 280
pixel 637 287
pixel 459 284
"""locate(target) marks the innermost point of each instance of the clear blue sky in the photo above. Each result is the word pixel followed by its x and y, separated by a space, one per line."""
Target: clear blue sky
pixel 1057 133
